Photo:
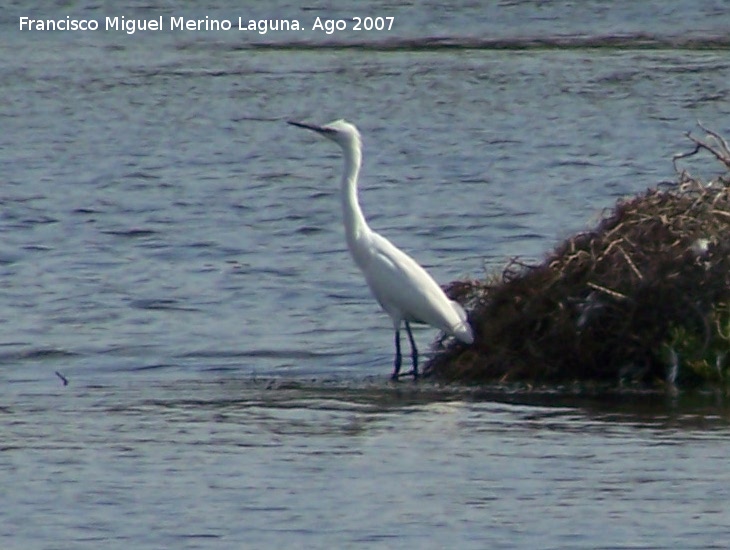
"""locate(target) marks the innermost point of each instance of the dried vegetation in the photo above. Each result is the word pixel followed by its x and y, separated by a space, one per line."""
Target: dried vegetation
pixel 644 298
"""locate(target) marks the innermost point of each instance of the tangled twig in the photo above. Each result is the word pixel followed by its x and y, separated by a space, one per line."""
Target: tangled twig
pixel 603 302
pixel 714 144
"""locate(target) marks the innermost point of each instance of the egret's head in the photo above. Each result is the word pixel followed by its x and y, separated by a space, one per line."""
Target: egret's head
pixel 339 131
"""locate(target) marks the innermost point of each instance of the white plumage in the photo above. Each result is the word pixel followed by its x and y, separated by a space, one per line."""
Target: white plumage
pixel 402 287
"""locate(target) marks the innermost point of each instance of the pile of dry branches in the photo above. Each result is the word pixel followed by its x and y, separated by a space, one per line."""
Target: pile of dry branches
pixel 604 306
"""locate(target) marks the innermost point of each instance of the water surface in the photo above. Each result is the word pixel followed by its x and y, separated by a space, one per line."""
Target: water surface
pixel 174 250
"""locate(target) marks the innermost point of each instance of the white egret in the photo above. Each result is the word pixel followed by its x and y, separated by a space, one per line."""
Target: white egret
pixel 402 287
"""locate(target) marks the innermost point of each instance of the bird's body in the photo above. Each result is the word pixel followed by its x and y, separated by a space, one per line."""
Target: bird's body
pixel 403 288
pixel 408 293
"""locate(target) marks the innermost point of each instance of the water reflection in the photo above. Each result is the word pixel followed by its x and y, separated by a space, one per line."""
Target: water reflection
pixel 341 462
pixel 316 403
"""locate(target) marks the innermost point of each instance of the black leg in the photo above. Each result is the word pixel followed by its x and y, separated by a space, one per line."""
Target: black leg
pixel 398 358
pixel 414 350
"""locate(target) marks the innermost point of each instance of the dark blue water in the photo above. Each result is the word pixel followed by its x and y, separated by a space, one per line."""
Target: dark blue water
pixel 174 250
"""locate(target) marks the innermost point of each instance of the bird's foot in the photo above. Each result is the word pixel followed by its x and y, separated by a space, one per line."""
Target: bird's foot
pixel 395 377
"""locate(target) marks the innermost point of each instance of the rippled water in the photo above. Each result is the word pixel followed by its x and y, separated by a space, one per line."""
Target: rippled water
pixel 174 250
pixel 233 463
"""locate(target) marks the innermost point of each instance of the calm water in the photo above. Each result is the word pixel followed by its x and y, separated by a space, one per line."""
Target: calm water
pixel 174 249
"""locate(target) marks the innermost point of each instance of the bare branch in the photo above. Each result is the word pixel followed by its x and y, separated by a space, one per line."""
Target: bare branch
pixel 632 265
pixel 723 154
pixel 613 293
pixel 723 144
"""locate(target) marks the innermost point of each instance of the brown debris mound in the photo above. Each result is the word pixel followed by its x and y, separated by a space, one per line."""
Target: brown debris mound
pixel 603 305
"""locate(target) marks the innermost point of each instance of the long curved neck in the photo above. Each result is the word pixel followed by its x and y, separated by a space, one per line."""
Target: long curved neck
pixel 355 224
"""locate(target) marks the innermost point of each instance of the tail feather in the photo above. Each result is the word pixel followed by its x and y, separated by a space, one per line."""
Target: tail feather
pixel 462 330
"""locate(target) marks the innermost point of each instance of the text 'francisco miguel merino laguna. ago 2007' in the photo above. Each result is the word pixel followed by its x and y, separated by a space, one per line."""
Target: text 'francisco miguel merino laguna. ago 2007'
pixel 261 26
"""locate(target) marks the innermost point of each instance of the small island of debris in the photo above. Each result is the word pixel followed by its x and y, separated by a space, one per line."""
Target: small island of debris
pixel 642 299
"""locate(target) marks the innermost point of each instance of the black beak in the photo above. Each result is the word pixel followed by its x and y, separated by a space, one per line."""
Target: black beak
pixel 303 125
pixel 313 127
